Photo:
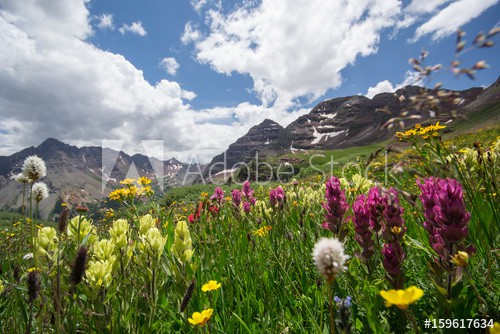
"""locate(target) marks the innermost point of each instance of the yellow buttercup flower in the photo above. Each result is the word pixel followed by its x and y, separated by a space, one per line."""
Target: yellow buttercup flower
pixel 210 286
pixel 402 298
pixel 495 329
pixel 202 318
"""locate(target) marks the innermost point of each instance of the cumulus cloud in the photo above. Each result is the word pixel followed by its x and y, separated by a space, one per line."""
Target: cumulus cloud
pixel 170 65
pixel 78 93
pixel 135 28
pixel 55 83
pixel 385 86
pixel 446 21
pixel 382 87
pixel 291 50
pixel 105 22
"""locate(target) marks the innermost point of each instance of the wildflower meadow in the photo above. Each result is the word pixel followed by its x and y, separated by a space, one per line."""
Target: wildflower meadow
pixel 406 242
pixel 321 254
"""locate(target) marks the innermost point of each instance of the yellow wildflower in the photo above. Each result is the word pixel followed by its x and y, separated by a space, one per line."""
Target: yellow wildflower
pixel 262 231
pixel 127 181
pixel 32 269
pixel 143 181
pixel 461 259
pixel 99 274
pixel 496 328
pixel 202 318
pixel 210 286
pixel 116 195
pixel 402 298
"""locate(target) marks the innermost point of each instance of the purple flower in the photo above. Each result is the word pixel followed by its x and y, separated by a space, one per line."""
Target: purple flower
pixel 277 197
pixel 335 206
pixel 445 212
pixel 427 198
pixel 361 222
pixel 247 191
pixel 450 213
pixel 346 302
pixel 218 195
pixel 236 196
pixel 393 256
pixel 394 228
pixel 246 207
pixel 376 205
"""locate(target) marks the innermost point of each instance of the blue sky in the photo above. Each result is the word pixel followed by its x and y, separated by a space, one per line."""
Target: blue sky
pixel 198 74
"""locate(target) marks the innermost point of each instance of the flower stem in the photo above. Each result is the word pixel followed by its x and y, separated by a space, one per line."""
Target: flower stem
pixel 413 321
pixel 332 310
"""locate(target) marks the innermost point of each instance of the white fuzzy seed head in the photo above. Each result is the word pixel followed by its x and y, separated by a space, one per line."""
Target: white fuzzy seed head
pixel 21 178
pixel 34 168
pixel 329 257
pixel 40 191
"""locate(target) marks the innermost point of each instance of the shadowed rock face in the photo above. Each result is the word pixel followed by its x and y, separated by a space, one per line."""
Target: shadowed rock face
pixel 75 174
pixel 332 124
pixel 245 148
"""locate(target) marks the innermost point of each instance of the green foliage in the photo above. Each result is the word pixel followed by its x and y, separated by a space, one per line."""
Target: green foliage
pixel 138 274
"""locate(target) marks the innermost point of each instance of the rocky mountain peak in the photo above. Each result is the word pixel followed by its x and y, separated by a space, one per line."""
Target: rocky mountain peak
pixel 76 175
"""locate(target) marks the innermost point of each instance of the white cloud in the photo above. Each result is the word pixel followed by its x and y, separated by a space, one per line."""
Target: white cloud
pixel 78 93
pixel 385 86
pixel 134 28
pixel 198 4
pixel 190 34
pixel 382 87
pixel 49 23
pixel 292 49
pixel 424 7
pixel 170 65
pixel 455 15
pixel 105 22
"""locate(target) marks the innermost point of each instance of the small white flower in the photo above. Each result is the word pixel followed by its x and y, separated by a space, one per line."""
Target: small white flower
pixel 40 191
pixel 28 256
pixel 329 257
pixel 34 168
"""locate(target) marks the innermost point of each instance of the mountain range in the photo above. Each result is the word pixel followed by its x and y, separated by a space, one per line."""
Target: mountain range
pixel 82 175
pixel 345 122
pixel 75 175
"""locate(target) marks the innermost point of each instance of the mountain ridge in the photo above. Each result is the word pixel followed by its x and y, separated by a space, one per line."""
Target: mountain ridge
pixel 82 175
pixel 348 121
